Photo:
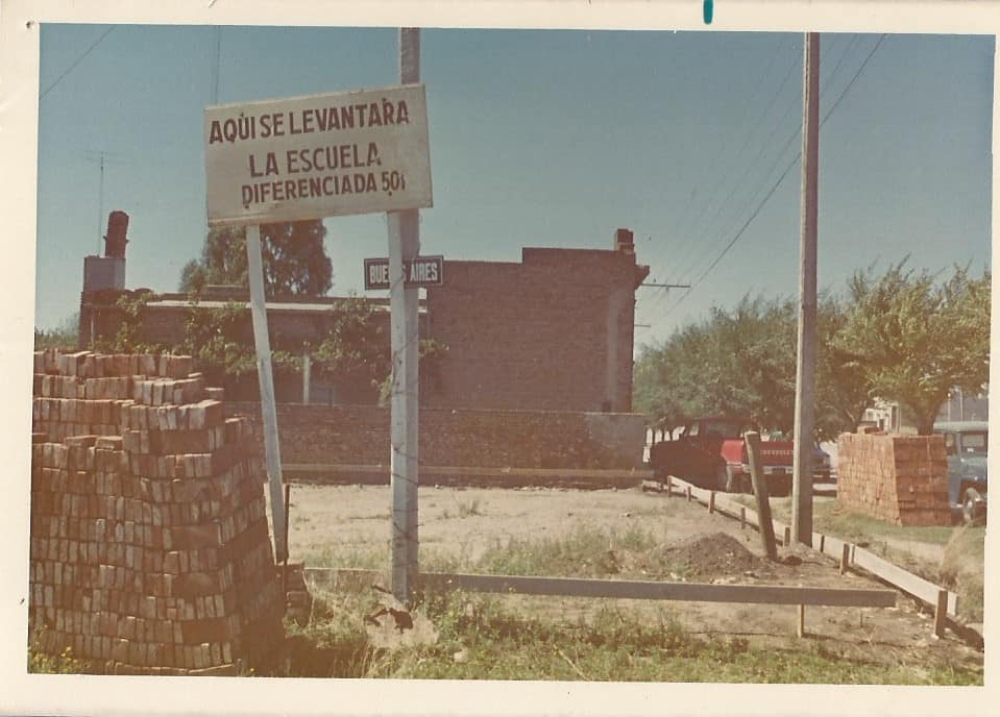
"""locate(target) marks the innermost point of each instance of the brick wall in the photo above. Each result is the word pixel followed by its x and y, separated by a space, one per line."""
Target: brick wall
pixel 359 435
pixel 150 550
pixel 900 479
pixel 554 332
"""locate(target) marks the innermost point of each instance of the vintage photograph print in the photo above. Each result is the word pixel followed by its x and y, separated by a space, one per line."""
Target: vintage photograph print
pixel 485 354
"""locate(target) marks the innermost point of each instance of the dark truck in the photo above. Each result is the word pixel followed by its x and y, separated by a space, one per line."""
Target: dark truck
pixel 711 453
pixel 965 443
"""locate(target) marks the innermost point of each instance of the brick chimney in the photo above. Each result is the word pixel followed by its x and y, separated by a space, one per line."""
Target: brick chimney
pixel 108 271
pixel 115 240
pixel 624 241
pixel 102 274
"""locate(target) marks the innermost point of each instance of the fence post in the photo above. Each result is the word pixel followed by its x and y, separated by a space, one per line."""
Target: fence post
pixel 845 558
pixel 940 613
pixel 752 439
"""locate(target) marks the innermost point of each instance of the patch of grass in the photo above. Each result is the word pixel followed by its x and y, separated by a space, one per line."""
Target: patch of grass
pixel 469 508
pixel 383 515
pixel 464 509
pixel 480 638
pixel 832 519
pixel 62 664
pixel 44 659
pixel 586 552
pixel 365 558
pixel 961 569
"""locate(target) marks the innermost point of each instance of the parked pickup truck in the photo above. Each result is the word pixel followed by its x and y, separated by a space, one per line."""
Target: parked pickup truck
pixel 966 442
pixel 711 453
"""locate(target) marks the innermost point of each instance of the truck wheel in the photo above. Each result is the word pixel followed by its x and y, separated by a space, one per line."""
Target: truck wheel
pixel 973 508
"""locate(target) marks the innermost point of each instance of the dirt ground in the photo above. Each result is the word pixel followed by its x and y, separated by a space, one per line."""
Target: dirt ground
pixel 329 522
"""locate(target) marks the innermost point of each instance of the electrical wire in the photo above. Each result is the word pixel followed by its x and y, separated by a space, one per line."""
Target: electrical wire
pixel 77 61
pixel 784 174
pixel 686 229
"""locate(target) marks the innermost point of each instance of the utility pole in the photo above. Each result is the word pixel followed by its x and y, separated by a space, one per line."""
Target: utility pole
pixel 404 244
pixel 805 379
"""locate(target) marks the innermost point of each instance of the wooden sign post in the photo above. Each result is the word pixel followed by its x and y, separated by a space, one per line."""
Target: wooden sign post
pixel 404 245
pixel 269 412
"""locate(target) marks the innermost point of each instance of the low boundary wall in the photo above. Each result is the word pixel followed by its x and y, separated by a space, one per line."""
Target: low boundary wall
pixel 358 436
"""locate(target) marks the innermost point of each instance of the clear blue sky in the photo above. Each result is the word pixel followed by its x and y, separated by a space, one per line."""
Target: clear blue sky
pixel 544 138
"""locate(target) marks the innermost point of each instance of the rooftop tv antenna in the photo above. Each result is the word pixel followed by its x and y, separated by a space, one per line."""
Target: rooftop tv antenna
pixel 101 157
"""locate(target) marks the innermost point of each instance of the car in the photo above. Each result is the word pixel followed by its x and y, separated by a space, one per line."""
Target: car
pixel 822 466
pixel 966 445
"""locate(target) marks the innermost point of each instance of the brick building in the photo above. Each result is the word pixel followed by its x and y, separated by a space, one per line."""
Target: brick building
pixel 551 332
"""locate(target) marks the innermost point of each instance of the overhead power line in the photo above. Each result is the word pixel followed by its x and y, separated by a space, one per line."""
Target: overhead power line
pixel 853 79
pixel 77 61
pixel 784 174
pixel 733 219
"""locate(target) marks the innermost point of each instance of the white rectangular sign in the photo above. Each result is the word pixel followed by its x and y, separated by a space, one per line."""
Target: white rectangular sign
pixel 418 273
pixel 318 156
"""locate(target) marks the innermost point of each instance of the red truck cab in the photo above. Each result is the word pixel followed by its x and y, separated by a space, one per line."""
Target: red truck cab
pixel 711 453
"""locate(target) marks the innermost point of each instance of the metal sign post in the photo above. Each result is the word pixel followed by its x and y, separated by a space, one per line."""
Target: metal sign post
pixel 404 245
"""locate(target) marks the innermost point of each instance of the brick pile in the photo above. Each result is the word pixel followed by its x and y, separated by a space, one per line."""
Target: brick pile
pixel 900 479
pixel 150 548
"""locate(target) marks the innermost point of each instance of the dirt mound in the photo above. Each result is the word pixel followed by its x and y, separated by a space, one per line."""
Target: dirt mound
pixel 710 555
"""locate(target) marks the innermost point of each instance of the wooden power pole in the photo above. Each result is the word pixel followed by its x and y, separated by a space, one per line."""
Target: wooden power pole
pixel 805 379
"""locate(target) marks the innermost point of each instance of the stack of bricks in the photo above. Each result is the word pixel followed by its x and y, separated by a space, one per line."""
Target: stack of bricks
pixel 150 548
pixel 899 479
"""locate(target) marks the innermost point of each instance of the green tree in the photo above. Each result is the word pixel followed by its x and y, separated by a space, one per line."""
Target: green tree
pixel 356 348
pixel 915 337
pixel 741 362
pixel 221 341
pixel 63 336
pixel 295 261
pixel 843 390
pixel 738 362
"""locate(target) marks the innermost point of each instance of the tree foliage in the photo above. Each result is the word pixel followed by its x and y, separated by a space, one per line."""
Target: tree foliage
pixel 739 362
pixel 843 389
pixel 356 347
pixel 218 339
pixel 63 336
pixel 295 261
pixel 902 336
pixel 916 337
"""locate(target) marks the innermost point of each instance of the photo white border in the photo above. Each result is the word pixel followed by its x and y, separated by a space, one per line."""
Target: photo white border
pixel 62 694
